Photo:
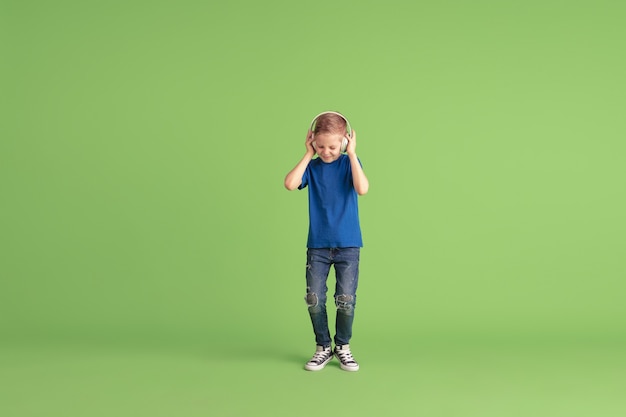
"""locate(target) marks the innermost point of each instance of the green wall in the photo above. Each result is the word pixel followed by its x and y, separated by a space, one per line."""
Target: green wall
pixel 144 144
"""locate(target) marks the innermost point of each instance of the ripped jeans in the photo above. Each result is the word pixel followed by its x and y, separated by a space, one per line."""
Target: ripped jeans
pixel 346 263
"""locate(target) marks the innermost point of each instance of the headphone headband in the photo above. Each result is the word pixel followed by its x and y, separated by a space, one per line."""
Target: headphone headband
pixel 348 128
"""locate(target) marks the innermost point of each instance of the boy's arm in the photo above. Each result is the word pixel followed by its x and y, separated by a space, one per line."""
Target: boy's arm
pixel 294 177
pixel 359 180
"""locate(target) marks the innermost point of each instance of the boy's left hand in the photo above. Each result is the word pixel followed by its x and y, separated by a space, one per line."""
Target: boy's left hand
pixel 351 148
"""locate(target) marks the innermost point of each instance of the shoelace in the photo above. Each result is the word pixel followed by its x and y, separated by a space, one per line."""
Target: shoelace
pixel 346 357
pixel 320 356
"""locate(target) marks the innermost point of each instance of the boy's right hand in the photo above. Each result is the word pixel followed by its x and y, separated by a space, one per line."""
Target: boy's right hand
pixel 309 143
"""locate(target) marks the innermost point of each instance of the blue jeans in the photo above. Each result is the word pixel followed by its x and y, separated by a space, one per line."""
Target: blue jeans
pixel 346 263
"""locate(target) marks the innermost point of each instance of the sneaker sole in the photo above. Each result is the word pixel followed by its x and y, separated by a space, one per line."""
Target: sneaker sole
pixel 349 368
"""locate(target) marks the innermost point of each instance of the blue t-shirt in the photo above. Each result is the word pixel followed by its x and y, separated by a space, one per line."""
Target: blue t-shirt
pixel 333 207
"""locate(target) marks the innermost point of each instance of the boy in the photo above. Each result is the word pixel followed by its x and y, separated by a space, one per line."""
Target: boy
pixel 334 180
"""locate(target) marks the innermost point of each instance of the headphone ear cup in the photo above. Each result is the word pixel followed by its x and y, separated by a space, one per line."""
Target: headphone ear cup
pixel 344 144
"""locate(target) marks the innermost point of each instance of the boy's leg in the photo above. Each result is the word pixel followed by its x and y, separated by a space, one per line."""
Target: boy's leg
pixel 317 268
pixel 347 272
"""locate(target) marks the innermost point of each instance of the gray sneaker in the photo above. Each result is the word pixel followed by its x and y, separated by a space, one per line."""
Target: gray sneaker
pixel 323 355
pixel 342 352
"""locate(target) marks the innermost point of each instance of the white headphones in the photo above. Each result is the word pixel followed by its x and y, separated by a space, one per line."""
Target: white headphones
pixel 344 142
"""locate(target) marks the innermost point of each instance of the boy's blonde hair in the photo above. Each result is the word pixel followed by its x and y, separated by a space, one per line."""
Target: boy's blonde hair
pixel 330 123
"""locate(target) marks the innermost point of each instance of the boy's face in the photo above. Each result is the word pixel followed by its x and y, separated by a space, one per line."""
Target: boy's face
pixel 328 146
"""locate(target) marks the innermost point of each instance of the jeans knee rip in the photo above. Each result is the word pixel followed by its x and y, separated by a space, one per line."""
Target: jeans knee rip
pixel 344 302
pixel 311 299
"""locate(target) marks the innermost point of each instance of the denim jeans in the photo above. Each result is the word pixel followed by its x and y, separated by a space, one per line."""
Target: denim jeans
pixel 346 263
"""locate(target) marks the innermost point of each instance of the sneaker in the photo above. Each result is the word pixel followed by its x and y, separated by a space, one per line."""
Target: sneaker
pixel 322 356
pixel 345 357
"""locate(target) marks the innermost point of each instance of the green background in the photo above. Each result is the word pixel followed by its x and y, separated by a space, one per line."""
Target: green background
pixel 153 264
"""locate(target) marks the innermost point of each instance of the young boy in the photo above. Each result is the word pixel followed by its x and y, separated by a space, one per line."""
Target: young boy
pixel 334 180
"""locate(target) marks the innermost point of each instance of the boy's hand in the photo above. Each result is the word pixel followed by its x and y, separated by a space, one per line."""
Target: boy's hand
pixel 351 149
pixel 309 143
